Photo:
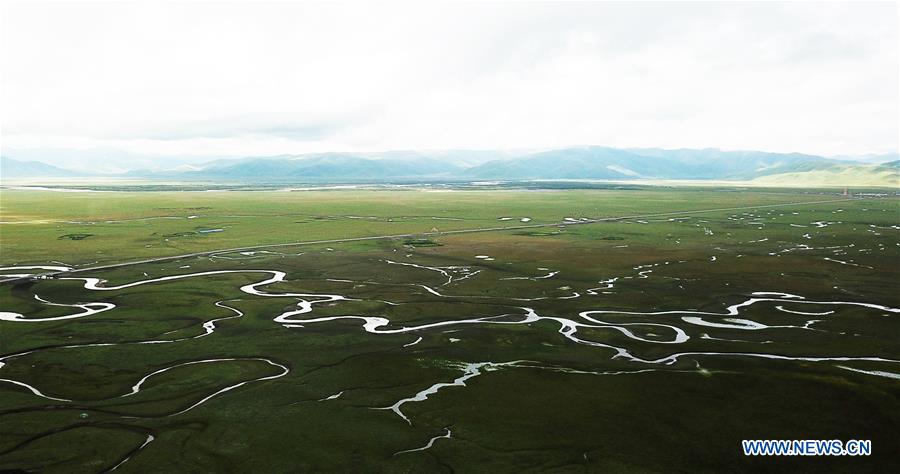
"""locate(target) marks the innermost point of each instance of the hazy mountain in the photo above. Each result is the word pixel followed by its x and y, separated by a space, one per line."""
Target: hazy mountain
pixel 99 159
pixel 890 165
pixel 611 163
pixel 10 168
pixel 592 162
pixel 589 162
pixel 319 167
pixel 453 158
pixel 871 158
pixel 710 163
pixel 576 163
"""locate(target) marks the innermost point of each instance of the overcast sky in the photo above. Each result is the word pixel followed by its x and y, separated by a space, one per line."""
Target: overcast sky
pixel 205 80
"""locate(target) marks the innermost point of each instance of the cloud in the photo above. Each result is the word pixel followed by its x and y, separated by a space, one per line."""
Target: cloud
pixel 203 79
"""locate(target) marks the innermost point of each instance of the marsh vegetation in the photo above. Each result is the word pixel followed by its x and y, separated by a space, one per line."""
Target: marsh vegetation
pixel 615 345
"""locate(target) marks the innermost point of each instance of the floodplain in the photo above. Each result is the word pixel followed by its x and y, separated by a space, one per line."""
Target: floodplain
pixel 423 330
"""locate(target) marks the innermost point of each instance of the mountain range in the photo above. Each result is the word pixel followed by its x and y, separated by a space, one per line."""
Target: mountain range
pixel 574 163
pixel 10 168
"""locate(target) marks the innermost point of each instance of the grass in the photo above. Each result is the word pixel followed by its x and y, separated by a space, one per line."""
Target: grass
pixel 837 176
pixel 133 225
pixel 678 418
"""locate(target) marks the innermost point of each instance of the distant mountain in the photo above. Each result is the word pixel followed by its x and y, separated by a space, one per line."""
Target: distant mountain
pixel 889 166
pixel 99 160
pixel 575 163
pixel 870 158
pixel 319 167
pixel 10 168
pixel 711 163
pixel 593 162
pixel 647 163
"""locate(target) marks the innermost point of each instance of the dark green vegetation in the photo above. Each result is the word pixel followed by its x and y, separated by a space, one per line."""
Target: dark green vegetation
pixel 421 243
pixel 75 236
pixel 561 404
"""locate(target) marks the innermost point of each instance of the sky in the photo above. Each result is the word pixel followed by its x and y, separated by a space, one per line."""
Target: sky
pixel 154 85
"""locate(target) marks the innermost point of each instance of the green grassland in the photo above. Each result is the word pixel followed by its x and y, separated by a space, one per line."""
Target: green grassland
pixel 886 175
pixel 120 226
pixel 565 406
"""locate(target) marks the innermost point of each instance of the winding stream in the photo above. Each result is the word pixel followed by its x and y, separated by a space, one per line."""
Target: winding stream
pixel 666 327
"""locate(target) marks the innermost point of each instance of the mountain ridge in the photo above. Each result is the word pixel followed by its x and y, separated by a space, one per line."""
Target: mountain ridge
pixel 572 163
pixel 12 168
